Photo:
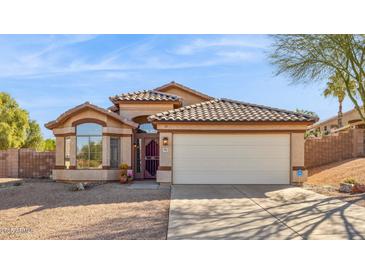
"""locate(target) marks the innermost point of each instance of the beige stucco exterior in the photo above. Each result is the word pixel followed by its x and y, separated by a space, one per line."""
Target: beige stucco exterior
pixel 297 158
pixel 66 128
pixel 187 98
pixel 126 130
pixel 60 148
pixel 164 174
pixel 126 144
pixel 132 110
pixel 69 175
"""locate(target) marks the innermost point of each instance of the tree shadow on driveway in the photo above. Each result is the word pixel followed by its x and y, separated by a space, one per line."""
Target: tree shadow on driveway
pixel 262 212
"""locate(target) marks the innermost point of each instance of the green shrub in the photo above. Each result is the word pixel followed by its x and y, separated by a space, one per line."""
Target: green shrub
pixel 350 181
pixel 123 166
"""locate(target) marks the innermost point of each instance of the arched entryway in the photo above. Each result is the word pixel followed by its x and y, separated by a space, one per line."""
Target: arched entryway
pixel 146 149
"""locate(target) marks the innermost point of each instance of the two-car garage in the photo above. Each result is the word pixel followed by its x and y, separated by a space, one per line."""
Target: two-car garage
pixel 224 141
pixel 231 158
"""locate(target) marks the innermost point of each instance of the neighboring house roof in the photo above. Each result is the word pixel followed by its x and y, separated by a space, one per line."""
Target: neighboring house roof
pixel 64 116
pixel 189 90
pixel 225 110
pixel 331 119
pixel 145 96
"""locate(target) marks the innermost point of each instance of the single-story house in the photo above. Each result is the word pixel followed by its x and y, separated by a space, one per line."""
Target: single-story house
pixel 350 119
pixel 178 135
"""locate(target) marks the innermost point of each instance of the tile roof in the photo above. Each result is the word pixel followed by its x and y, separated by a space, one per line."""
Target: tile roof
pixel 145 95
pixel 225 110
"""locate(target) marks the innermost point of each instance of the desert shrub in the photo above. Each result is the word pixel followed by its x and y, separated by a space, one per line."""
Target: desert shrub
pixel 350 181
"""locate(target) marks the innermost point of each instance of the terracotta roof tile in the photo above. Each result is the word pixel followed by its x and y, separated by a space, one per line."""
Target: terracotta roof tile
pixel 145 95
pixel 225 110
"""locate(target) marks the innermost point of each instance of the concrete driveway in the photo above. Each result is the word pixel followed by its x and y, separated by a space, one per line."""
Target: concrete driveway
pixel 262 212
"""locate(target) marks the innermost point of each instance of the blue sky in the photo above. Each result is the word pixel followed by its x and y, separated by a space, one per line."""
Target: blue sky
pixel 48 74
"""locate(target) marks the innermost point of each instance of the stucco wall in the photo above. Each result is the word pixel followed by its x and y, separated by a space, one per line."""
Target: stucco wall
pixel 90 113
pixel 166 150
pixel 297 149
pixel 164 174
pixel 297 158
pixel 187 97
pixel 86 175
pixel 126 144
pixel 112 127
pixel 60 151
pixel 131 110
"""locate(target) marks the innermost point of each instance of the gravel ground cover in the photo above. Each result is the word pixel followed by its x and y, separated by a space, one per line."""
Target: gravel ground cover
pixel 326 179
pixel 41 209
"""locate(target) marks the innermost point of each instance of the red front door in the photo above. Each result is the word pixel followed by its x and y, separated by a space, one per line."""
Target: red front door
pixel 151 158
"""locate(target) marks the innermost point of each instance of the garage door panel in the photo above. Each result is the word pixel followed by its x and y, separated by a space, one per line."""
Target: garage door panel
pixel 185 152
pixel 231 159
pixel 200 177
pixel 218 164
pixel 249 140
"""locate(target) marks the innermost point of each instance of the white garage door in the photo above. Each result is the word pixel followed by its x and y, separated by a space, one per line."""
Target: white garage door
pixel 231 159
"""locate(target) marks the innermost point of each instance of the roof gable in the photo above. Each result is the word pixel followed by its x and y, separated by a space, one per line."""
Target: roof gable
pixel 64 116
pixel 173 84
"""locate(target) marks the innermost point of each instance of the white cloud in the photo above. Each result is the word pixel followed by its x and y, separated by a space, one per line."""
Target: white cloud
pixel 198 45
pixel 237 55
pixel 36 55
pixel 54 55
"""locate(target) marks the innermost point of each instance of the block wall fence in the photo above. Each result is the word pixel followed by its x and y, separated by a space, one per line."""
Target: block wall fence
pixel 333 148
pixel 26 163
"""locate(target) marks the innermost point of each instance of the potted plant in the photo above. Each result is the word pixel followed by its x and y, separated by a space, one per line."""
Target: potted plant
pixel 129 175
pixel 123 173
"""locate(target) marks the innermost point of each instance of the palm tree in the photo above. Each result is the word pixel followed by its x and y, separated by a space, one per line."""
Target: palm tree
pixel 336 87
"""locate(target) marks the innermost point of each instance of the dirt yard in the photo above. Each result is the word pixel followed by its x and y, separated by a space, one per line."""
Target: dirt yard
pixel 326 179
pixel 43 209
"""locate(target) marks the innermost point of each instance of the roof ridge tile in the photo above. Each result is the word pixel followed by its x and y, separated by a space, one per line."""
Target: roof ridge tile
pixel 230 110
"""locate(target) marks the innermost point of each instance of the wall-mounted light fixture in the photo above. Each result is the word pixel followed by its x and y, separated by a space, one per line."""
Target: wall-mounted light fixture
pixel 135 145
pixel 165 141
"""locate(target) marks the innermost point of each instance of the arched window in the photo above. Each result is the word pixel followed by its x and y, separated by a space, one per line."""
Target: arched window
pixel 147 128
pixel 89 146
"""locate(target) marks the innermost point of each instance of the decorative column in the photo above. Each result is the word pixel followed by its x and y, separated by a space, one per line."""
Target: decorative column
pixel 164 172
pixel 60 152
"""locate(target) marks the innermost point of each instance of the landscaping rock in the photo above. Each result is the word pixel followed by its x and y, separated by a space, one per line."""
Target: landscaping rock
pixel 80 186
pixel 77 187
pixel 346 188
pixel 358 188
